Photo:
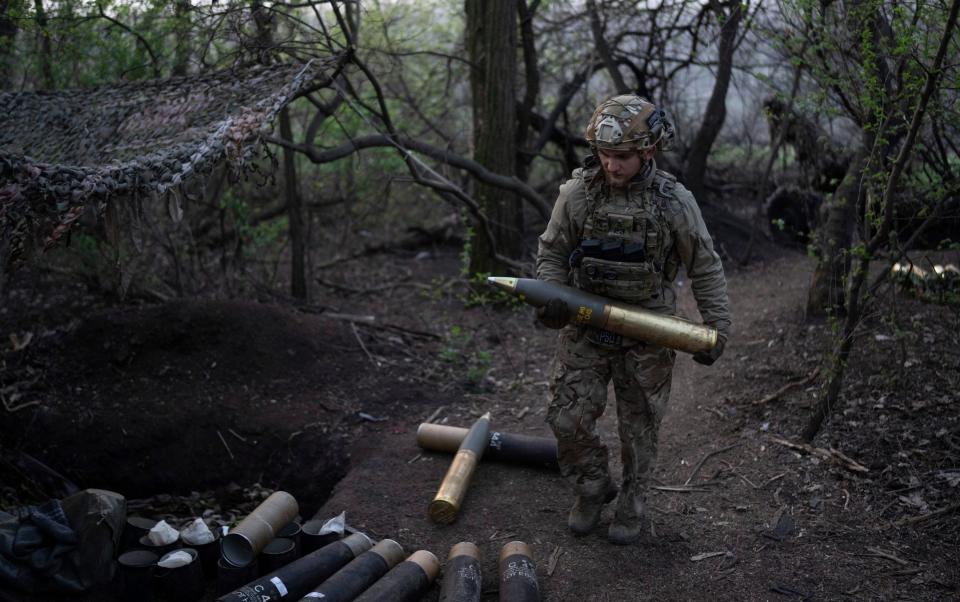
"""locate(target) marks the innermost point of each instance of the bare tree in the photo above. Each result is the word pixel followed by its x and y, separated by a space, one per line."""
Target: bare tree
pixel 730 14
pixel 859 296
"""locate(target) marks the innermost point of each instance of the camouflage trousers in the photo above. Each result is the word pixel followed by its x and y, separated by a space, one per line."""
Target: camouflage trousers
pixel 641 377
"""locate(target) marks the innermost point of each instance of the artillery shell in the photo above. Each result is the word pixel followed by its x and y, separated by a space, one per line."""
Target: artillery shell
pixel 461 575
pixel 506 447
pixel 362 572
pixel 446 504
pixel 631 321
pixel 406 582
pixel 294 580
pixel 518 574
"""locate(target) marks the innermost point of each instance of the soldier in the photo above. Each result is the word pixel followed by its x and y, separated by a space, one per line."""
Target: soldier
pixel 621 228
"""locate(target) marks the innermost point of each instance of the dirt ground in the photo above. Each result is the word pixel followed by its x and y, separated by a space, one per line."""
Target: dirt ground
pixel 187 406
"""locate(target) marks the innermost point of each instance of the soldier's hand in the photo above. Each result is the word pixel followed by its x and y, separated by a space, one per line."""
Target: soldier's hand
pixel 708 357
pixel 553 314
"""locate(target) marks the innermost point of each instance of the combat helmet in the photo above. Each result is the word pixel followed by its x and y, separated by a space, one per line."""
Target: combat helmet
pixel 629 122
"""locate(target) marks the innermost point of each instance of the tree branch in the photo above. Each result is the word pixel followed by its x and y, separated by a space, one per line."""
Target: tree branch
pixel 146 45
pixel 317 155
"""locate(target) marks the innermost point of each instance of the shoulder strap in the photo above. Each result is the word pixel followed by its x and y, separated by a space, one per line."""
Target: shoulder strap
pixel 664 183
pixel 588 178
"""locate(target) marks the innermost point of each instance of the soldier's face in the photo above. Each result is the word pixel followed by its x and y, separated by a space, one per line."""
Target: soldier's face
pixel 620 166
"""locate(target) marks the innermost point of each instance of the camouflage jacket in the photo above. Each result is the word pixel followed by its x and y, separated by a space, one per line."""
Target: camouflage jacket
pixel 689 243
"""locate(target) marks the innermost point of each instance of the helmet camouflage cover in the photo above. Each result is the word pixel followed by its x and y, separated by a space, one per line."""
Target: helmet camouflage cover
pixel 629 122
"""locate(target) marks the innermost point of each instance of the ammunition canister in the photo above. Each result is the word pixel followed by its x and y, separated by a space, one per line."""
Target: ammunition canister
pixel 230 577
pixel 587 309
pixel 242 544
pixel 518 574
pixel 362 572
pixel 294 580
pixel 311 539
pixel 461 575
pixel 136 527
pixel 183 583
pixel 406 582
pixel 505 447
pixel 278 553
pixel 445 505
pixel 293 531
pixel 135 576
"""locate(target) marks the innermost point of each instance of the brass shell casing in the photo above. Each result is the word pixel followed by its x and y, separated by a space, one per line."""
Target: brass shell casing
pixel 445 505
pixel 666 331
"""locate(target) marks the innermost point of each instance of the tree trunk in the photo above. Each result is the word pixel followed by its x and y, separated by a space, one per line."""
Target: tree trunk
pixel 46 51
pixel 298 275
pixel 531 90
pixel 9 10
pixel 716 111
pixel 181 29
pixel 491 39
pixel 827 294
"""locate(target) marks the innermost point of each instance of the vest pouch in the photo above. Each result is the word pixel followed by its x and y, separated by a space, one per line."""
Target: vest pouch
pixel 620 280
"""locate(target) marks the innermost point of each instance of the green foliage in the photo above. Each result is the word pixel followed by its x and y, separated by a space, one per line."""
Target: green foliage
pixel 268 234
pixel 461 352
pixel 127 40
pixel 467 251
pixel 89 254
pixel 949 245
pixel 478 291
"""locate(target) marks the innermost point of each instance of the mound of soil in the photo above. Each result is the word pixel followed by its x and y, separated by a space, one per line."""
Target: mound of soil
pixel 193 395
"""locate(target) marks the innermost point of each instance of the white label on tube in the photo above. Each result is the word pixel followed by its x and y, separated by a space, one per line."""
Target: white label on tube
pixel 281 588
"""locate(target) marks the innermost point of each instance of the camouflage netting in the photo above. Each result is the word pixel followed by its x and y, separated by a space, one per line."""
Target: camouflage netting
pixel 67 153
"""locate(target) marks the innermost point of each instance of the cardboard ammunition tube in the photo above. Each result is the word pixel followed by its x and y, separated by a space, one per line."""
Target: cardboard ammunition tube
pixel 276 554
pixel 136 527
pixel 503 447
pixel 461 575
pixel 518 574
pixel 310 538
pixel 294 532
pixel 406 582
pixel 294 580
pixel 184 583
pixel 242 544
pixel 362 572
pixel 230 577
pixel 135 576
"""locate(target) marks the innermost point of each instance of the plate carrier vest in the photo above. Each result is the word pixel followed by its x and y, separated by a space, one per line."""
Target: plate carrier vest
pixel 640 221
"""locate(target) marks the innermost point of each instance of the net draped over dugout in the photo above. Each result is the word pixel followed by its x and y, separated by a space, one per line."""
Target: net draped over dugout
pixel 67 153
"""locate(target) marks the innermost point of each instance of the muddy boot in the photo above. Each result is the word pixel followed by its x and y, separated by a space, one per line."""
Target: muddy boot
pixel 627 523
pixel 585 514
